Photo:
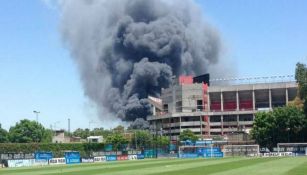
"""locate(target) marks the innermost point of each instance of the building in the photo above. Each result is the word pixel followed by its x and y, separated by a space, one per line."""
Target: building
pixel 60 137
pixel 223 108
pixel 95 139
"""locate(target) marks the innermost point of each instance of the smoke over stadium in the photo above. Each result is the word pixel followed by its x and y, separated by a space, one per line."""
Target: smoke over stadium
pixel 126 50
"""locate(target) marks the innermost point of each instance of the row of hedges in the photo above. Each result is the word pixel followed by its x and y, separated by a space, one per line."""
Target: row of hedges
pixel 58 149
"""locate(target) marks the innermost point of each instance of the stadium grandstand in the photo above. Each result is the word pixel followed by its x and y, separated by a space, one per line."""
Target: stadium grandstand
pixel 217 107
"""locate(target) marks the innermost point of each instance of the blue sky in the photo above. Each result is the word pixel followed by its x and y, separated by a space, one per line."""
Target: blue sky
pixel 264 37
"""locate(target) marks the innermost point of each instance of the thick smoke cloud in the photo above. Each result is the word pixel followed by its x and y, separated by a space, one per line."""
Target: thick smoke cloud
pixel 129 49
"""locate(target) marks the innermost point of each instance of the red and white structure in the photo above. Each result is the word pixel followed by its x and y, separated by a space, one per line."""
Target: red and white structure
pixel 208 110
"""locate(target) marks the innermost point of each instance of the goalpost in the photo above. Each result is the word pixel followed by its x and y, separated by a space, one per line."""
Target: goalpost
pixel 241 150
pixel 298 149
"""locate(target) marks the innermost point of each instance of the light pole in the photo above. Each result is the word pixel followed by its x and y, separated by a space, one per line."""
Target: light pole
pixel 136 140
pixel 69 126
pixel 154 132
pixel 232 133
pixel 288 131
pixel 36 113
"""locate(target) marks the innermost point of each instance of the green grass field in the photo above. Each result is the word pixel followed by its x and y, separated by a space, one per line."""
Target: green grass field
pixel 224 166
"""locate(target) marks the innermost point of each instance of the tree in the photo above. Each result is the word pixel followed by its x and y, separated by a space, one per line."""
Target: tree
pixel 301 78
pixel 139 124
pixel 27 131
pixel 117 140
pixel 3 135
pixel 263 125
pixel 187 135
pixel 100 132
pixel 142 139
pixel 297 102
pixel 47 138
pixel 83 133
pixel 162 141
pixel 286 124
pixel 119 129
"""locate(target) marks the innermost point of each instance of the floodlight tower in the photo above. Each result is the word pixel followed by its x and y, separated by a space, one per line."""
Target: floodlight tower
pixel 36 113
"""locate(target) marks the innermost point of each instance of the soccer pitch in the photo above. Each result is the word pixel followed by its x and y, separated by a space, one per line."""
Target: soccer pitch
pixel 224 166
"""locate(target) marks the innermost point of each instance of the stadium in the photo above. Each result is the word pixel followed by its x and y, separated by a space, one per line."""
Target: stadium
pixel 218 107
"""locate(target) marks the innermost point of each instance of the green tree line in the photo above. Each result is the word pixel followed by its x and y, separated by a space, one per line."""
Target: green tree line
pixel 26 131
pixel 284 124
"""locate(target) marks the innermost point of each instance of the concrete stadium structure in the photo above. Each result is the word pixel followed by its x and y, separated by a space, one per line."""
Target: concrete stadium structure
pixel 217 109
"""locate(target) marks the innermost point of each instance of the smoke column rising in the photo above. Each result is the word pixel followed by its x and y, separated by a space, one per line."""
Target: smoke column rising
pixel 126 50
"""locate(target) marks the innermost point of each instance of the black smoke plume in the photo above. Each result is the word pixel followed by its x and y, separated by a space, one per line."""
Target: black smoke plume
pixel 129 49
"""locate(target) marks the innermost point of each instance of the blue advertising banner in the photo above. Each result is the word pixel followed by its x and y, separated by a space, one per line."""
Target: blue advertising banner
pixel 209 152
pixel 43 155
pixel 206 152
pixel 172 147
pixel 150 153
pixel 188 155
pixel 72 157
pixel 108 147
pixel 111 158
pixel 140 156
pixel 215 154
pixel 203 142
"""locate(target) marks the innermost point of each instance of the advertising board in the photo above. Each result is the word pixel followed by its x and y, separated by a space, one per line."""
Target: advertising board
pixel 141 156
pixel 132 157
pixel 100 159
pixel 20 162
pixel 72 157
pixel 57 161
pixel 111 158
pixel 12 156
pixel 87 160
pixel 188 155
pixel 43 155
pixel 122 157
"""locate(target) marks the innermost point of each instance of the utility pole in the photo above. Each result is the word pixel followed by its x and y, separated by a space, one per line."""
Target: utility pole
pixel 89 126
pixel 69 126
pixel 36 113
pixel 135 138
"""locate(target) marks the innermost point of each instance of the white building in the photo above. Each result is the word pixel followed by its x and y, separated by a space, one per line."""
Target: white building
pixel 95 139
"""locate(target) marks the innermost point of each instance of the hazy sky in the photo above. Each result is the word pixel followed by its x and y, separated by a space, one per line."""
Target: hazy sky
pixel 264 37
